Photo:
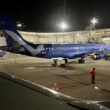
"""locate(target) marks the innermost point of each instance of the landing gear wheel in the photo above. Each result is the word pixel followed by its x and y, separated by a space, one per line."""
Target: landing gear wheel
pixel 66 61
pixel 81 60
pixel 65 64
pixel 55 63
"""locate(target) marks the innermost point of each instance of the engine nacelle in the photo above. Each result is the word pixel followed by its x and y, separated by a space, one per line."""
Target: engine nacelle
pixel 98 56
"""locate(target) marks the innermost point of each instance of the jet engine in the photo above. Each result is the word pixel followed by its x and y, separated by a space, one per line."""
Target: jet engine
pixel 97 56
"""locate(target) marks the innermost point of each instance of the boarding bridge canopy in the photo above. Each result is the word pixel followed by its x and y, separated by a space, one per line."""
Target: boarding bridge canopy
pixel 88 36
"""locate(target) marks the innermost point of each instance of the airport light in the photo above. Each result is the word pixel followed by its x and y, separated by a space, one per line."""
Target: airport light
pixel 94 21
pixel 63 25
pixel 19 25
pixel 77 34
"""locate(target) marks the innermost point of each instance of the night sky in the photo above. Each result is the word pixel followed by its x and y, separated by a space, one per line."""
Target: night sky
pixel 45 15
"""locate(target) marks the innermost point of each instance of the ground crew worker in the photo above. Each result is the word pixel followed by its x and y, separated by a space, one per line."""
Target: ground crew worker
pixel 93 74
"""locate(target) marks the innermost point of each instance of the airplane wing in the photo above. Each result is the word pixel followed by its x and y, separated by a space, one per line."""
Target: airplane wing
pixel 73 55
pixel 80 54
pixel 19 94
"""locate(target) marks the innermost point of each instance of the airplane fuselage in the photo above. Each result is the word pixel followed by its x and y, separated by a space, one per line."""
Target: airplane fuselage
pixel 69 51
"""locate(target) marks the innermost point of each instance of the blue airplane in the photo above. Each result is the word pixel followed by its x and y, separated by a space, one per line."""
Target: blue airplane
pixel 17 44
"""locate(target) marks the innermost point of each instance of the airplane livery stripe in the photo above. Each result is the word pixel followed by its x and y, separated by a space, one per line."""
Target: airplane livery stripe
pixel 20 41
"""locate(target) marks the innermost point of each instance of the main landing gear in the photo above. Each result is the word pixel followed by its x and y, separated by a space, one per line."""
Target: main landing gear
pixel 57 62
pixel 66 61
pixel 82 60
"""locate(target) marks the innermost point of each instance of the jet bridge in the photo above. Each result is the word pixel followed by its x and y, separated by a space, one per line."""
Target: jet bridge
pixel 87 36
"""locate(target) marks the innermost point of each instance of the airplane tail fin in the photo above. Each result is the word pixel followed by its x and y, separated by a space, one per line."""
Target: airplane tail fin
pixel 15 42
pixel 12 36
pixel 5 24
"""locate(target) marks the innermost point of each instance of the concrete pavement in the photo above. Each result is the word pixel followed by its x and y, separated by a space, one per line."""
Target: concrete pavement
pixel 74 80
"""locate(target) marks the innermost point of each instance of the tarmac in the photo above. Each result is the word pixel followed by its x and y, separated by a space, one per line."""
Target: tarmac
pixel 73 80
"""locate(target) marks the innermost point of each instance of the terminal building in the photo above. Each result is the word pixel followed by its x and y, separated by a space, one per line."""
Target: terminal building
pixel 76 37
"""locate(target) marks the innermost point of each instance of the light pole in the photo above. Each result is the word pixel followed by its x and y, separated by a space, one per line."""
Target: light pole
pixel 93 21
pixel 63 26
